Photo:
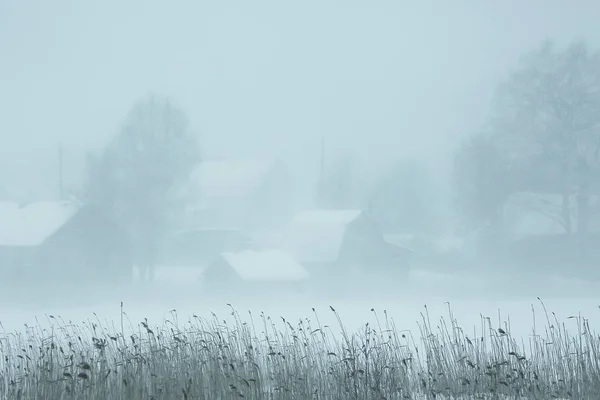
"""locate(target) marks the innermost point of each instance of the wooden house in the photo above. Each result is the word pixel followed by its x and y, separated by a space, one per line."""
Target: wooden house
pixel 247 194
pixel 345 248
pixel 61 242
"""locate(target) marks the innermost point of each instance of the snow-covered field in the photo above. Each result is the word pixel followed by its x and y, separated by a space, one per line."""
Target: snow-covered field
pixel 469 300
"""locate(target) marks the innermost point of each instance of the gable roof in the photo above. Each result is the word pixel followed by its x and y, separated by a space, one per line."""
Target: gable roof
pixel 268 265
pixel 32 224
pixel 317 235
pixel 230 178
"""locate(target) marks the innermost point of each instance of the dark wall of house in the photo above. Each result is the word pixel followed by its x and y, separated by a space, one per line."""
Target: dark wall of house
pixel 364 246
pixel 14 261
pixel 90 248
pixel 219 278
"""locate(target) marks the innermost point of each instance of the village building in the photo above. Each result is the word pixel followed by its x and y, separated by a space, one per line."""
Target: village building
pixel 252 274
pixel 245 194
pixel 227 205
pixel 341 248
pixel 61 241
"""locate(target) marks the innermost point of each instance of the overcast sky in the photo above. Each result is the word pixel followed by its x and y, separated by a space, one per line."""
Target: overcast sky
pixel 382 79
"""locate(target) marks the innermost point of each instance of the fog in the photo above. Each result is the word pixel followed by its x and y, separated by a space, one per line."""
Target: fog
pixel 180 155
pixel 264 78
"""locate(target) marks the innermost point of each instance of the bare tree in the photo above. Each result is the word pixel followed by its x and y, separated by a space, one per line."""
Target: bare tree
pixel 132 178
pixel 548 115
pixel 542 136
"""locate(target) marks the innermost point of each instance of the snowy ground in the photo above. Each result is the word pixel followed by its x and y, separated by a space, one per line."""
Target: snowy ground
pixel 469 300
pixel 434 282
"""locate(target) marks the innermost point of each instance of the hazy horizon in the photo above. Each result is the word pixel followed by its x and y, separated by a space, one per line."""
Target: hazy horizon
pixel 380 80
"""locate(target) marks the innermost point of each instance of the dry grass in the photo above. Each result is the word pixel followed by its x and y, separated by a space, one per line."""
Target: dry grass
pixel 260 359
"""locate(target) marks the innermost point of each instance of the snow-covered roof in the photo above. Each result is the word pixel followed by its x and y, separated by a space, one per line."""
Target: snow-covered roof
pixel 32 224
pixel 230 178
pixel 267 265
pixel 317 235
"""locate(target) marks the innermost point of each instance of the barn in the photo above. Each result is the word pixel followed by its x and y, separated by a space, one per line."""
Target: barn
pixel 255 274
pixel 62 242
pixel 342 248
pixel 247 194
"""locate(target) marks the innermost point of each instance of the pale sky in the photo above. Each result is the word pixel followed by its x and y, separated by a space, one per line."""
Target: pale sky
pixel 382 79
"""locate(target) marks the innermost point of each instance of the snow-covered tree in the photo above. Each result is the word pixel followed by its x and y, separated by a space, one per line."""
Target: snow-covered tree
pixel 548 115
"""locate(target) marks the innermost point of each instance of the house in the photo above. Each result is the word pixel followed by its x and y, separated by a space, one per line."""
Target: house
pixel 340 246
pixel 249 273
pixel 250 194
pixel 61 241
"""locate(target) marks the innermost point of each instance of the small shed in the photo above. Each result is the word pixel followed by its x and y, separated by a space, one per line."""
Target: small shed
pixel 344 244
pixel 268 272
pixel 61 241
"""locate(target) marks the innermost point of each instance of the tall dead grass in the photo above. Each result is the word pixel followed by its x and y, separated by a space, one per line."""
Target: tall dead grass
pixel 257 358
